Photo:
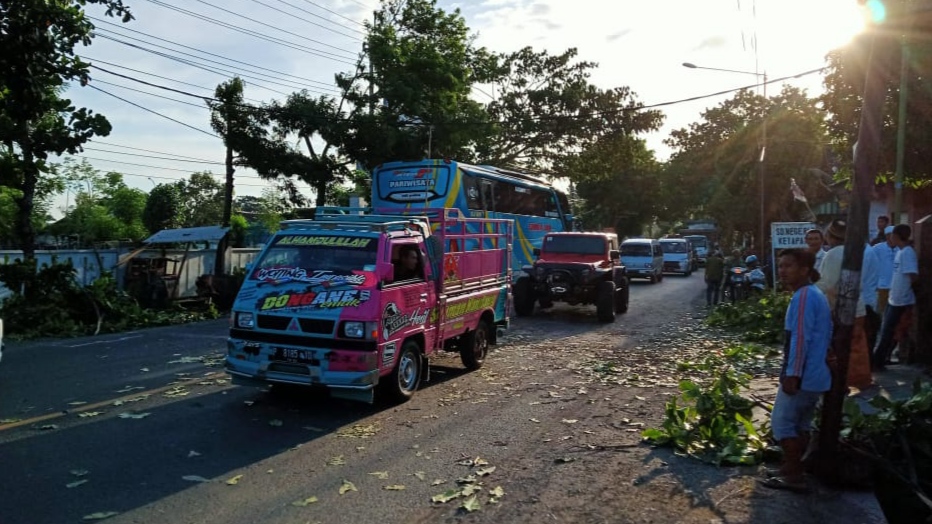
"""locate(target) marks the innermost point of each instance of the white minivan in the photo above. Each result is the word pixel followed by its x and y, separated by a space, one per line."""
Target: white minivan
pixel 677 256
pixel 642 258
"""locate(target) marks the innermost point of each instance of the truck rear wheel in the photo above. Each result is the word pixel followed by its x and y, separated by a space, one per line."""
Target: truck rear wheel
pixel 474 346
pixel 406 376
pixel 523 297
pixel 621 298
pixel 605 301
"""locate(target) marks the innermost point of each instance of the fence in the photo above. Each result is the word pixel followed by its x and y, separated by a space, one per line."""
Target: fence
pixel 90 264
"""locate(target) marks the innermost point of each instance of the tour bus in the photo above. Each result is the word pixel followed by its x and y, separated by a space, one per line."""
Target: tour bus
pixel 535 205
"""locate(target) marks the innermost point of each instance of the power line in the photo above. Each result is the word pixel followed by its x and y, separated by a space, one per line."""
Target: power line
pixel 332 12
pixel 196 161
pixel 305 19
pixel 279 41
pixel 113 144
pixel 153 112
pixel 143 165
pixel 234 13
pixel 254 66
pixel 211 69
pixel 185 102
pixel 124 173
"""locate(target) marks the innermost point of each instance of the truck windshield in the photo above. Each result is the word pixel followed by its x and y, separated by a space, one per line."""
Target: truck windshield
pixel 698 241
pixel 674 247
pixel 574 244
pixel 302 257
pixel 635 250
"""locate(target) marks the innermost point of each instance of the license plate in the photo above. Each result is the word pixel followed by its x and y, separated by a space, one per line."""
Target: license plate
pixel 299 356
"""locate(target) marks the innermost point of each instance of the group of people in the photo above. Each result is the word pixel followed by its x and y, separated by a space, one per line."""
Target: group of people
pixel 888 275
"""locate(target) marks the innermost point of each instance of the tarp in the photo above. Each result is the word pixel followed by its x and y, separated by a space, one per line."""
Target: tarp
pixel 188 234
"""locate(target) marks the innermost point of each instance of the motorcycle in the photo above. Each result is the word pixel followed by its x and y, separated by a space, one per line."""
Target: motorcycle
pixel 757 280
pixel 736 284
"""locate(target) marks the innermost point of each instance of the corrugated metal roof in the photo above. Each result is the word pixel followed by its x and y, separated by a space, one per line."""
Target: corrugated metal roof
pixel 188 234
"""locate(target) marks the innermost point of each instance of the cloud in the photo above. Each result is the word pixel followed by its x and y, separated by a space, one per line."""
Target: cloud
pixel 540 10
pixel 616 36
pixel 712 42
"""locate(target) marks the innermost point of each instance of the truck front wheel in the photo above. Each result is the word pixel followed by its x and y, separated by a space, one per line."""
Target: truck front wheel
pixel 605 301
pixel 524 297
pixel 475 346
pixel 406 376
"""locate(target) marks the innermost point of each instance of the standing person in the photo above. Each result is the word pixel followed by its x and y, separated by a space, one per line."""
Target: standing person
pixel 859 369
pixel 714 272
pixel 883 221
pixel 805 374
pixel 886 253
pixel 814 243
pixel 902 298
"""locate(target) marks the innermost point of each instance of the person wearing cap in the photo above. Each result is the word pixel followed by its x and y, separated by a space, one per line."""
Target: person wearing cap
pixel 859 369
pixel 902 297
pixel 814 243
pixel 886 252
pixel 883 221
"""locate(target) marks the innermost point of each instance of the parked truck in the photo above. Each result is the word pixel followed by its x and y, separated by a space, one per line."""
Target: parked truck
pixel 358 302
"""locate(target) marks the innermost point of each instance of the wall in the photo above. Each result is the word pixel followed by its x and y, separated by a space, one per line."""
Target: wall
pixel 87 268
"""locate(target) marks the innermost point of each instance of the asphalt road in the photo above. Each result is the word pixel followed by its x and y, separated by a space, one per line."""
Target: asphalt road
pixel 146 425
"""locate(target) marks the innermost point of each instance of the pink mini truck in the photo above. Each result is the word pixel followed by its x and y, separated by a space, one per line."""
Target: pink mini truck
pixel 359 302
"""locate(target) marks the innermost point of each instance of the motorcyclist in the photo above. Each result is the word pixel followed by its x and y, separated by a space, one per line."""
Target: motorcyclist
pixel 734 261
pixel 756 278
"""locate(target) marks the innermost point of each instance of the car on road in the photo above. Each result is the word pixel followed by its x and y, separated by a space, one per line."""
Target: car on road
pixel 642 258
pixel 677 256
pixel 575 268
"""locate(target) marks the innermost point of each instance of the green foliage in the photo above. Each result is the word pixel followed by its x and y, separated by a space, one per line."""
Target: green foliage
pixel 759 320
pixel 712 421
pixel 60 307
pixel 897 437
pixel 238 226
pixel 38 40
pixel 163 208
pixel 201 198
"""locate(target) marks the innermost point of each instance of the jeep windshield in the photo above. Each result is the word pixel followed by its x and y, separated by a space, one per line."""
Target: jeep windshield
pixel 583 245
pixel 674 247
pixel 316 258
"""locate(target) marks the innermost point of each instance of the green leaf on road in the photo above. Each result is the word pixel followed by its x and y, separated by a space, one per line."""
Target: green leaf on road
pixel 336 461
pixel 79 472
pixel 485 471
pixel 100 515
pixel 195 478
pixel 88 414
pixel 380 474
pixel 235 480
pixel 471 504
pixel 76 483
pixel 497 492
pixel 446 496
pixel 275 423
pixel 346 487
pixel 304 503
pixel 394 487
pixel 134 415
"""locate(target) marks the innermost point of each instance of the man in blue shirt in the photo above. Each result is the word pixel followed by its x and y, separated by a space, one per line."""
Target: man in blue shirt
pixel 805 375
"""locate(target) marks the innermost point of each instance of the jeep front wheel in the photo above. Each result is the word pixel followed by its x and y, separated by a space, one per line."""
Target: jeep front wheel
pixel 621 298
pixel 523 297
pixel 605 301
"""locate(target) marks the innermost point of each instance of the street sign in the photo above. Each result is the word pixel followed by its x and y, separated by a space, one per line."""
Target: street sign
pixel 786 235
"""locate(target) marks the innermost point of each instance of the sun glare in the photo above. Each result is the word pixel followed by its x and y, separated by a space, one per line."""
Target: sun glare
pixel 795 31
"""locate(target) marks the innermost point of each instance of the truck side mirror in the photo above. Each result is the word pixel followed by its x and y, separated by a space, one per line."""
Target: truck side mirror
pixel 536 252
pixel 385 271
pixel 614 254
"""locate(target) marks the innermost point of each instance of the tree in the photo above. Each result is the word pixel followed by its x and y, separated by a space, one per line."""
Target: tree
pixel 907 24
pixel 202 200
pixel 617 180
pixel 163 208
pixel 38 39
pixel 714 171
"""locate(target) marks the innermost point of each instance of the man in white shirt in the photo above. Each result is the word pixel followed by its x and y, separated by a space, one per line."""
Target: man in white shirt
pixel 859 374
pixel 902 296
pixel 814 243
pixel 885 252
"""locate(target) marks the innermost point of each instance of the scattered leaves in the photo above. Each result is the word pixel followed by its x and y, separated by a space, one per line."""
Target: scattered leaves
pixel 471 504
pixel 134 415
pixel 77 403
pixel 276 423
pixel 127 389
pixel 88 414
pixel 193 453
pixel 337 461
pixel 234 480
pixel 76 483
pixel 446 496
pixel 569 421
pixel 420 475
pixel 48 427
pixel 100 515
pixel 79 472
pixel 198 478
pixel 346 487
pixel 304 503
pixel 394 487
pixel 381 475
pixel 360 431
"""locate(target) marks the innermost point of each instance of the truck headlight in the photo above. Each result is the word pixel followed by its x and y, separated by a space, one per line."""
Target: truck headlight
pixel 245 320
pixel 354 329
pixel 648 264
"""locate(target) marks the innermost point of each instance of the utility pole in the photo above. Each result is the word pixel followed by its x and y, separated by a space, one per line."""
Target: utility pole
pixel 900 134
pixel 866 162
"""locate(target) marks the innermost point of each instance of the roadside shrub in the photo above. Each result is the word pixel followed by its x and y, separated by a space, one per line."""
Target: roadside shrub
pixel 58 306
pixel 758 320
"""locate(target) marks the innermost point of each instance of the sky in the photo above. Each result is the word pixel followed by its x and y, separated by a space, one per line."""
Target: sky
pixel 282 46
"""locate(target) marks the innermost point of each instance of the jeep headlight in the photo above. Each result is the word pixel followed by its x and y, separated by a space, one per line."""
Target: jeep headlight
pixel 245 320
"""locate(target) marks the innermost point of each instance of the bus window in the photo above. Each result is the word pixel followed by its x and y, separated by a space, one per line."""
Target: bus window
pixel 473 197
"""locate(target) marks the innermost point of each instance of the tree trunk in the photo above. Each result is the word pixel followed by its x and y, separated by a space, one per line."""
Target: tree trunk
pixel 26 203
pixel 866 162
pixel 321 188
pixel 228 193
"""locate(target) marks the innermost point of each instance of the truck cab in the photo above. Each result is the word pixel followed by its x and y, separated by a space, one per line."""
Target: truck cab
pixel 332 302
